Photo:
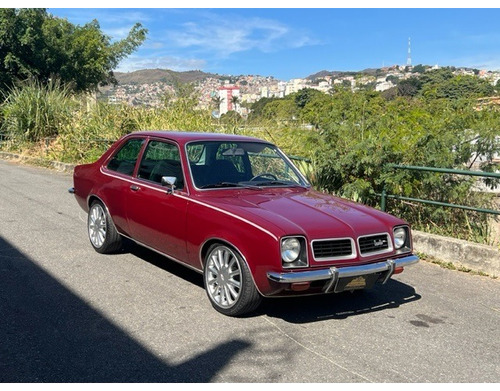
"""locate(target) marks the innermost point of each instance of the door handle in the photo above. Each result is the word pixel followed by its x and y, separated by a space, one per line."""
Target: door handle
pixel 135 188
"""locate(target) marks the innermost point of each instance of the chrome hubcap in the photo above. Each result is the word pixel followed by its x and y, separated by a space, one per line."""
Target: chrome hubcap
pixel 97 225
pixel 223 277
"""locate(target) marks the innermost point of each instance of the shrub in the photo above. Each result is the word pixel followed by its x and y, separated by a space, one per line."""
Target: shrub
pixel 32 111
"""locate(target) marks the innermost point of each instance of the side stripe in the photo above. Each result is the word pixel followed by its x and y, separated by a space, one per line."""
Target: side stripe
pixel 194 201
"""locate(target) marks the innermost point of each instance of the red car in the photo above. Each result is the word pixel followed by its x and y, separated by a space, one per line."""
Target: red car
pixel 237 210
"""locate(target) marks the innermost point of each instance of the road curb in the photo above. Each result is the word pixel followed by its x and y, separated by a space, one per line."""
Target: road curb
pixel 59 166
pixel 461 253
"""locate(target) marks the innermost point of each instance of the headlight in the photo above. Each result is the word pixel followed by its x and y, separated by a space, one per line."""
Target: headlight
pixel 290 250
pixel 399 237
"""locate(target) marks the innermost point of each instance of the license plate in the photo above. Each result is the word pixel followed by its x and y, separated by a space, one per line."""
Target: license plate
pixel 356 283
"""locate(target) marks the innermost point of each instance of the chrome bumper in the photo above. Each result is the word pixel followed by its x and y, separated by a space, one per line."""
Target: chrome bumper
pixel 334 274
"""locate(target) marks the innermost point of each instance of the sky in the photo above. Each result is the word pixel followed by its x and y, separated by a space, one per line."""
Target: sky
pixel 291 43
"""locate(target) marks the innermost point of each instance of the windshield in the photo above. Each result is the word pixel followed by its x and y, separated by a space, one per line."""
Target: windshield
pixel 216 164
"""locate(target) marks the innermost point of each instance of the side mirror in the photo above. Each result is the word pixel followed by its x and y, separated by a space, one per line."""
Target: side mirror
pixel 169 181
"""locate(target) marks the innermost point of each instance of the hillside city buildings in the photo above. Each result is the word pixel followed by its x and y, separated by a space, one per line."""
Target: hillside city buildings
pixel 230 93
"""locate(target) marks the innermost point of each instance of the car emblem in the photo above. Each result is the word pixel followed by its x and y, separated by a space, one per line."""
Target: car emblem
pixel 378 243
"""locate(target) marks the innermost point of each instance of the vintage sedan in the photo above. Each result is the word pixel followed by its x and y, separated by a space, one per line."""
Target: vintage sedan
pixel 237 210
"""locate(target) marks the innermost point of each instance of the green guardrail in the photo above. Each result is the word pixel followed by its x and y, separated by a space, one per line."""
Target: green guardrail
pixel 384 196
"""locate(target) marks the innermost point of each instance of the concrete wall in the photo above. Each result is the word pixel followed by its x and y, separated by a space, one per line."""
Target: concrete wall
pixel 65 167
pixel 477 257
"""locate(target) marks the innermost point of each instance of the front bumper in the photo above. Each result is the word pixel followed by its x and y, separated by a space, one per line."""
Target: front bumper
pixel 333 275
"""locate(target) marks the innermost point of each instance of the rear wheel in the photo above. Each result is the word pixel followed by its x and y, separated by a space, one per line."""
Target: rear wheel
pixel 228 282
pixel 102 232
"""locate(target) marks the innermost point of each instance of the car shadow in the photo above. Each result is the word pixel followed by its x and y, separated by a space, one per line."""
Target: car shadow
pixel 307 309
pixel 162 262
pixel 49 334
pixel 301 309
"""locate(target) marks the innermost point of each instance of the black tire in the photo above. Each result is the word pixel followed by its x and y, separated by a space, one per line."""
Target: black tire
pixel 228 282
pixel 102 232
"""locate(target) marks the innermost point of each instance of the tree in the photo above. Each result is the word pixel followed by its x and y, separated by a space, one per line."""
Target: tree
pixel 418 69
pixel 464 87
pixel 304 96
pixel 393 79
pixel 409 87
pixel 258 107
pixel 235 100
pixel 230 118
pixel 217 101
pixel 39 46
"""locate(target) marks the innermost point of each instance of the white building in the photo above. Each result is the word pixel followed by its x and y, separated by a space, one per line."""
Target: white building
pixel 295 85
pixel 227 95
pixel 383 85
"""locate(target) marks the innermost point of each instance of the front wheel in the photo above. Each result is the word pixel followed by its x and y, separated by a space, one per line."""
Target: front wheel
pixel 228 282
pixel 102 232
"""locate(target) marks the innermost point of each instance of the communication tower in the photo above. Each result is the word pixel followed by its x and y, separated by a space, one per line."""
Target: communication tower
pixel 408 58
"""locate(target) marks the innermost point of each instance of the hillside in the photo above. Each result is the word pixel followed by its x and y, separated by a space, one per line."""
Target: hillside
pixel 148 76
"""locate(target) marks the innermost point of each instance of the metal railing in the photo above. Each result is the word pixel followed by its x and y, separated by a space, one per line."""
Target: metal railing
pixel 384 196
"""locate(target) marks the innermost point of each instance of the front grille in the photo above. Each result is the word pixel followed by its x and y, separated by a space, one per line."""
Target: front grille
pixel 332 248
pixel 374 244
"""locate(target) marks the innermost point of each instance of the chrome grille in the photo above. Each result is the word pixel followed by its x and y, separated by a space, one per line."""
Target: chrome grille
pixel 374 244
pixel 332 248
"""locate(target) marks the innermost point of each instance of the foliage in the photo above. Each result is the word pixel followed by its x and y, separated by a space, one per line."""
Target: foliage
pixel 353 137
pixel 418 68
pixel 258 107
pixel 231 118
pixel 393 79
pixel 304 96
pixel 33 111
pixel 36 45
pixel 360 132
pixel 409 87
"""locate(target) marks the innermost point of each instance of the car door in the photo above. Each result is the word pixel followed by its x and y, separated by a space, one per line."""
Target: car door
pixel 119 171
pixel 156 216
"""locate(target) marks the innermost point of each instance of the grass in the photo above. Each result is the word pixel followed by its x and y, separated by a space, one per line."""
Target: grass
pixel 452 266
pixel 51 124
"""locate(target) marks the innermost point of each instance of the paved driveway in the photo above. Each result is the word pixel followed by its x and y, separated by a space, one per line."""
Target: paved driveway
pixel 70 314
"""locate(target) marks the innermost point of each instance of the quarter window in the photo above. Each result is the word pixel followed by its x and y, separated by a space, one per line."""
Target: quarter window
pixel 124 160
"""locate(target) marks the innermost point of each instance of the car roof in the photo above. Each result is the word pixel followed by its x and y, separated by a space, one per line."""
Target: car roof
pixel 185 137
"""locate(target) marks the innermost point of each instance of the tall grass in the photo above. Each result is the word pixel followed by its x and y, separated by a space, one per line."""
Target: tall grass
pixel 48 121
pixel 32 111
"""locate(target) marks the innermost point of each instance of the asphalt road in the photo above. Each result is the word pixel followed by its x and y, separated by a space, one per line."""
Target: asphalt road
pixel 69 314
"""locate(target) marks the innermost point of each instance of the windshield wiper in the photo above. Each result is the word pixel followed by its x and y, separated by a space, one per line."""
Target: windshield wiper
pixel 228 184
pixel 278 183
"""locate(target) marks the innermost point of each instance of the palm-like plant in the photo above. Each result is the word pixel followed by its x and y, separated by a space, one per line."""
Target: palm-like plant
pixel 217 101
pixel 235 100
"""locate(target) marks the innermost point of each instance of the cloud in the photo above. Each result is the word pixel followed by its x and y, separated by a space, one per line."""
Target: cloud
pixel 490 63
pixel 223 36
pixel 134 63
pixel 118 32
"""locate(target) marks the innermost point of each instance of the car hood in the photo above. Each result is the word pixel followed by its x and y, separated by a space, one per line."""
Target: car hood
pixel 305 212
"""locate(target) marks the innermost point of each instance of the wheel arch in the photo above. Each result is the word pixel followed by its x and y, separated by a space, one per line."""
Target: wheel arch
pixel 209 242
pixel 215 240
pixel 94 197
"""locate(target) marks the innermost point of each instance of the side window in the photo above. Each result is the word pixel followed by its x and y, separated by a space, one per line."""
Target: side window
pixel 161 159
pixel 124 160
